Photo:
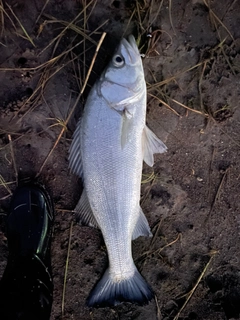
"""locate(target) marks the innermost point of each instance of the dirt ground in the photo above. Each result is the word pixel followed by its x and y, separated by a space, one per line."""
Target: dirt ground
pixel 190 196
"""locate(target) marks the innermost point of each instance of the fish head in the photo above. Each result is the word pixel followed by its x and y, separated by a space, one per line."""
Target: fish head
pixel 122 83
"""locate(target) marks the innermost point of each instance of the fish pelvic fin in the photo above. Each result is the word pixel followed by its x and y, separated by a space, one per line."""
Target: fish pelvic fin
pixel 151 144
pixel 75 158
pixel 84 212
pixel 108 292
pixel 142 227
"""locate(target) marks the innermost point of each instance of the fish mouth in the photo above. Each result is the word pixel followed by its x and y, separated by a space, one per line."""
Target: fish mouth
pixel 131 48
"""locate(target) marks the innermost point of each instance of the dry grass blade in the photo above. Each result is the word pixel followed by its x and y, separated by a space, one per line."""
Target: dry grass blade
pixel 216 198
pixel 68 25
pixel 13 156
pixel 170 15
pixel 173 78
pixel 22 27
pixel 190 294
pixel 153 39
pixel 76 102
pixel 188 108
pixel 5 184
pixel 4 12
pixel 2 18
pixel 146 11
pixel 12 133
pixel 43 8
pixel 151 252
pixel 233 140
pixel 129 21
pixel 214 17
pixel 159 314
pixel 50 71
pixel 58 122
pixel 66 269
pixel 200 87
pixel 54 59
pixel 47 74
pixel 149 189
pixel 165 104
pixel 156 232
pixel 149 178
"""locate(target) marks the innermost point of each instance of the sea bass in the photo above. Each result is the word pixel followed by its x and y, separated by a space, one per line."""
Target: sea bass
pixel 108 148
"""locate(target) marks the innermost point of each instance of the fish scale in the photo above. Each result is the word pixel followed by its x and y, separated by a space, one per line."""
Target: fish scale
pixel 109 146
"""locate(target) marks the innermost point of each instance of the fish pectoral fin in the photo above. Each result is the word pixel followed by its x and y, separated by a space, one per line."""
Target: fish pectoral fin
pixel 75 158
pixel 84 211
pixel 126 128
pixel 142 227
pixel 151 144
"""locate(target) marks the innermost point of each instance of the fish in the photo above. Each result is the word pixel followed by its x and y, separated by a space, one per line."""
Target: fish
pixel 109 144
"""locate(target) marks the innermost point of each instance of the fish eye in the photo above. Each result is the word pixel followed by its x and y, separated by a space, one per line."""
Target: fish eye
pixel 118 61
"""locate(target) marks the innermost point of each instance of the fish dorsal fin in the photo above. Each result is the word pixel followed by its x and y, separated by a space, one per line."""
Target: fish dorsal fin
pixel 142 227
pixel 84 211
pixel 151 144
pixel 75 158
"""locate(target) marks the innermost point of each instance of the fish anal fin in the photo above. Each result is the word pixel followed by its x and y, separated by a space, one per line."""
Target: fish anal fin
pixel 75 158
pixel 84 212
pixel 142 227
pixel 151 144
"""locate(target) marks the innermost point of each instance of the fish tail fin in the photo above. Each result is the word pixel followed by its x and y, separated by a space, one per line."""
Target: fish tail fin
pixel 108 292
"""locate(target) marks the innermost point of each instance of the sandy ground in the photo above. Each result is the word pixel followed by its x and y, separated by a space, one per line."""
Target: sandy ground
pixel 190 197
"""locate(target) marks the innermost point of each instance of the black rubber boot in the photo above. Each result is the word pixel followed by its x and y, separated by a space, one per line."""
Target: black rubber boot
pixel 26 286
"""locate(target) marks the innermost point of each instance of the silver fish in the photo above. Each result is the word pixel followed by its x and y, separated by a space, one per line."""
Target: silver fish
pixel 108 148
